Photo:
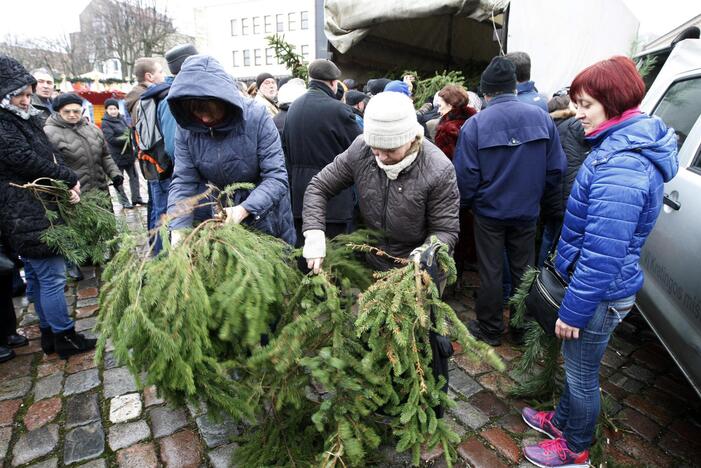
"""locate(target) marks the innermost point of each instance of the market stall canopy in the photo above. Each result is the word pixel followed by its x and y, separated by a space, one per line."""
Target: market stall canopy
pixel 405 34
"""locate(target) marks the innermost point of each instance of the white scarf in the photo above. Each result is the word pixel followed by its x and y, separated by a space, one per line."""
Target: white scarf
pixel 392 171
pixel 21 113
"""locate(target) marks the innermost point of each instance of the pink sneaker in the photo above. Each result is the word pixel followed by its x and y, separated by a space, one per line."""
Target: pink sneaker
pixel 541 421
pixel 554 453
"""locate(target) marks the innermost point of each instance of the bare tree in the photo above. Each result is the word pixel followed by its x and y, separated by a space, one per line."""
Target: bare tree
pixel 59 55
pixel 127 30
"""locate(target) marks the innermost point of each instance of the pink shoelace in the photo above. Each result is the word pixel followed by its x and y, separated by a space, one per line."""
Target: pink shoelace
pixel 554 446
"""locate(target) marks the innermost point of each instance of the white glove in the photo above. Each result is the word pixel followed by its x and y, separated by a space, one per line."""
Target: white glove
pixel 314 249
pixel 235 214
pixel 176 237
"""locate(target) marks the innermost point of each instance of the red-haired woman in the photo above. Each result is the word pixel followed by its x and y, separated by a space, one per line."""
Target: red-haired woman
pixel 612 208
pixel 454 108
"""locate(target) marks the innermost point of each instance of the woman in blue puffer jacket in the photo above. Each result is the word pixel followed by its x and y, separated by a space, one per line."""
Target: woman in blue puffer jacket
pixel 612 208
pixel 224 138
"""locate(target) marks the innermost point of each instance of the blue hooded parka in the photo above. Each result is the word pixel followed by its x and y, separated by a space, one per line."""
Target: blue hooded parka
pixel 612 208
pixel 245 147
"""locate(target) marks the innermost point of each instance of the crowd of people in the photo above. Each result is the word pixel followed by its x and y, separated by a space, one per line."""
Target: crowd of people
pixel 481 170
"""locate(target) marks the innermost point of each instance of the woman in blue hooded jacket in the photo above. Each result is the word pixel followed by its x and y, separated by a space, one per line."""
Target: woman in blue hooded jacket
pixel 612 208
pixel 224 138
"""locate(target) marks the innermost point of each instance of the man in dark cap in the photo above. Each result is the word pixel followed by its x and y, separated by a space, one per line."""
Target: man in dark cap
pixel 357 101
pixel 266 92
pixel 509 163
pixel 158 189
pixel 377 85
pixel 319 127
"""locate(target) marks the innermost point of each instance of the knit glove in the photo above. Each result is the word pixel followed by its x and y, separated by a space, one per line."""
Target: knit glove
pixel 176 237
pixel 117 181
pixel 314 249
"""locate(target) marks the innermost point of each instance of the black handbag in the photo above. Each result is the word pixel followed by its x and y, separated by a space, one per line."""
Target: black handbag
pixel 545 296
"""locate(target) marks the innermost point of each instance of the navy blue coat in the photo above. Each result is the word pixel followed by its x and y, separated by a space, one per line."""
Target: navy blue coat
pixel 244 148
pixel 508 159
pixel 613 207
pixel 527 92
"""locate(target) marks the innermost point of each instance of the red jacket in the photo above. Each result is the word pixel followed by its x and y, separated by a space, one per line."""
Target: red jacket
pixel 449 127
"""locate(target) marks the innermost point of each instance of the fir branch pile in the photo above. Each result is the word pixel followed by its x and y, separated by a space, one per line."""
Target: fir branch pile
pixel 322 376
pixel 79 232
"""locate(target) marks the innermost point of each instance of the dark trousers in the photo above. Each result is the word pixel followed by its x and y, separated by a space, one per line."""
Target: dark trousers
pixel 491 238
pixel 8 320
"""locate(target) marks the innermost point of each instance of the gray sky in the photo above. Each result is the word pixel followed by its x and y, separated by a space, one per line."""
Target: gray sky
pixel 51 18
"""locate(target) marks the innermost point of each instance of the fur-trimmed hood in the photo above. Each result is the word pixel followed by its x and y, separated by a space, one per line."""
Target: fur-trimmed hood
pixel 562 114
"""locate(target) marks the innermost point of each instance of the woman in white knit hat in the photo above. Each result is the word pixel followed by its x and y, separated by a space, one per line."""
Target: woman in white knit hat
pixel 406 186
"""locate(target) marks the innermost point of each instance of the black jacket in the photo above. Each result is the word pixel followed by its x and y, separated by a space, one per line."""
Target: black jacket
pixel 25 155
pixel 575 147
pixel 317 129
pixel 114 129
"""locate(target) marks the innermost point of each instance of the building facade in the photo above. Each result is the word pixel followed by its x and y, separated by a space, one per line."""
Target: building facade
pixel 235 33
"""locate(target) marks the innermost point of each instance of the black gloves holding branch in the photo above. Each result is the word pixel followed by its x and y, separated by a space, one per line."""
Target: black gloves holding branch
pixel 425 256
pixel 117 181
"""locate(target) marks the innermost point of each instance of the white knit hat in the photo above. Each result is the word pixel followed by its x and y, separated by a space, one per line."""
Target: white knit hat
pixel 291 91
pixel 390 121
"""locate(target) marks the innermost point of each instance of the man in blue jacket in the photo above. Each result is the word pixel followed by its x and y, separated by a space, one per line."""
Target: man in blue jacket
pixel 525 87
pixel 508 160
pixel 159 188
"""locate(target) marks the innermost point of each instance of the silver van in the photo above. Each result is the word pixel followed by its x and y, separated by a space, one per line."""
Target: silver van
pixel 670 299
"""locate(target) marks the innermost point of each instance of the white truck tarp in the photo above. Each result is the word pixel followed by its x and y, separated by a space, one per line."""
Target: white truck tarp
pixel 564 36
pixel 561 36
pixel 347 22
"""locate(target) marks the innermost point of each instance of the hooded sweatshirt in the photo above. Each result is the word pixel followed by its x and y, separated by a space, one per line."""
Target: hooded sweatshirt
pixel 613 206
pixel 244 147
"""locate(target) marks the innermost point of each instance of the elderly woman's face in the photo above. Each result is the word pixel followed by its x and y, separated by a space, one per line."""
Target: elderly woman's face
pixel 23 99
pixel 443 107
pixel 389 157
pixel 71 113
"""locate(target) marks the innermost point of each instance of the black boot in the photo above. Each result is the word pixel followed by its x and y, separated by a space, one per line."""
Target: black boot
pixel 6 354
pixel 69 343
pixel 47 340
pixel 16 341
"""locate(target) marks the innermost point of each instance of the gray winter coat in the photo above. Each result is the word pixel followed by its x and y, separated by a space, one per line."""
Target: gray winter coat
pixel 84 150
pixel 423 201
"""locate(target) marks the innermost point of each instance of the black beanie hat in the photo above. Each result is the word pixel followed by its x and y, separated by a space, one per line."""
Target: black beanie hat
pixel 111 102
pixel 177 55
pixel 499 77
pixel 261 78
pixel 377 85
pixel 353 97
pixel 65 99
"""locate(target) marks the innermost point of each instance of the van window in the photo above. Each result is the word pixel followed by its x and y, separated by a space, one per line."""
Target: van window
pixel 681 106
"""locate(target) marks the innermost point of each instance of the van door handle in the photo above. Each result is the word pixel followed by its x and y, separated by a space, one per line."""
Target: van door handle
pixel 675 205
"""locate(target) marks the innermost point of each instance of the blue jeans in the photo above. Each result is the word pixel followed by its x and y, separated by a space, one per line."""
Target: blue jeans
pixel 159 206
pixel 46 279
pixel 550 230
pixel 579 406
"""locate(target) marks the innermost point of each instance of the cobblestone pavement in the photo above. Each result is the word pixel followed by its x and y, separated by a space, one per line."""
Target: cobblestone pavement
pixel 82 413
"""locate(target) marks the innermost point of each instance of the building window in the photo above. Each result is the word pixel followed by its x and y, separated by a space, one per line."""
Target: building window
pixel 304 20
pixel 234 27
pixel 268 24
pixel 257 57
pixel 280 19
pixel 291 21
pixel 305 52
pixel 247 58
pixel 256 25
pixel 269 56
pixel 236 58
pixel 244 26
